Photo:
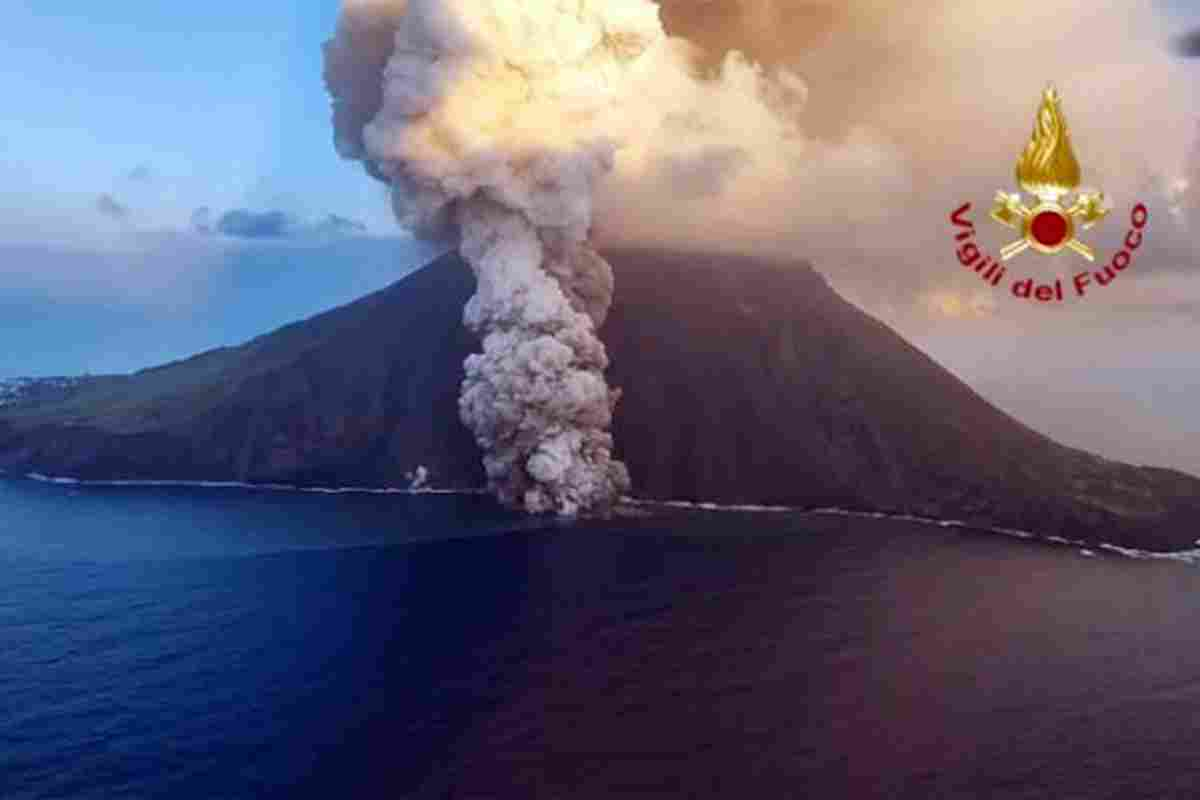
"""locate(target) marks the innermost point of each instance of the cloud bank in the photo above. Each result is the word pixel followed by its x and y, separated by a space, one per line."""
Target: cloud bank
pixel 244 223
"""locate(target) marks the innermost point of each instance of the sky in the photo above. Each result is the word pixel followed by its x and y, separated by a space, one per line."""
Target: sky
pixel 120 121
pixel 168 184
pixel 170 106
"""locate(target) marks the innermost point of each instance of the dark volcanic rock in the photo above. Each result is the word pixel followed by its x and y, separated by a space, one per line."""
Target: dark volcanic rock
pixel 744 382
pixel 357 396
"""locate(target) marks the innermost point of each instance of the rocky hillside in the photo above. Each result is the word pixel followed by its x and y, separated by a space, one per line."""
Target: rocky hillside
pixel 744 382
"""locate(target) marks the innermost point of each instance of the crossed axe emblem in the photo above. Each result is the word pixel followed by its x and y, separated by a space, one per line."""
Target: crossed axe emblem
pixel 1048 227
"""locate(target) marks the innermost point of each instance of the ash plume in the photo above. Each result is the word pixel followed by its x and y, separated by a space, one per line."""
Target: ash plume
pixel 909 109
pixel 498 120
pixel 539 132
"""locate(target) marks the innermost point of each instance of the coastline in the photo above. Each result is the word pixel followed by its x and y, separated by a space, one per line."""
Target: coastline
pixel 38 477
pixel 1187 556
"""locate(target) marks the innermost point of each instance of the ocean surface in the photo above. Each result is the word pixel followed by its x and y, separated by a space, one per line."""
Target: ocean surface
pixel 228 643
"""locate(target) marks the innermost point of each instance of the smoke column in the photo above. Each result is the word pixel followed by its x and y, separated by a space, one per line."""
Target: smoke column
pixel 495 119
pixel 532 129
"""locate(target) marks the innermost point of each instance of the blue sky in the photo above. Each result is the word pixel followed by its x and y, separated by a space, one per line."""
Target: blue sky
pixel 222 102
pixel 160 109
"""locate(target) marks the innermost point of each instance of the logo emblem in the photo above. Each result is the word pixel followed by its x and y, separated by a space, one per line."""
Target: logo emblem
pixel 1049 171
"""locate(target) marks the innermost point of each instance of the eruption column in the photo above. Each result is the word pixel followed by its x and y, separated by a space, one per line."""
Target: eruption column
pixel 536 397
pixel 498 118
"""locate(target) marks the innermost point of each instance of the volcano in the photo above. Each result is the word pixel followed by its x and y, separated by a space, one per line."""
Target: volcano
pixel 744 380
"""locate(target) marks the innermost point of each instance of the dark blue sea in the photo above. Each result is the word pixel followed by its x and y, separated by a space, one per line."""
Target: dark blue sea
pixel 228 643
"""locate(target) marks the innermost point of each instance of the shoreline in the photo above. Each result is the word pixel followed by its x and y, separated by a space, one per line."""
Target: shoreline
pixel 38 477
pixel 1187 556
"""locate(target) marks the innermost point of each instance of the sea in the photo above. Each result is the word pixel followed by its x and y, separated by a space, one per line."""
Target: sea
pixel 225 642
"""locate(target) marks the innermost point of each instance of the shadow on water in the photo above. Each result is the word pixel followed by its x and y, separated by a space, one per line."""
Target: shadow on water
pixel 798 657
pixel 679 655
pixel 245 676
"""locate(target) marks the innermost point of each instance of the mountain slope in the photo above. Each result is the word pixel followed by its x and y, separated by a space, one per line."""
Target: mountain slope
pixel 744 381
pixel 355 396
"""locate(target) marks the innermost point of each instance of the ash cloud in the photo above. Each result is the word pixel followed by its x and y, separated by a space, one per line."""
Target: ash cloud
pixel 499 123
pixel 840 132
pixel 905 112
pixel 354 60
pixel 845 131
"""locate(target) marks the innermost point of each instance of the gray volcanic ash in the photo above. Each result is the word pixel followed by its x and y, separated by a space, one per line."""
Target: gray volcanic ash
pixel 538 132
pixel 498 122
